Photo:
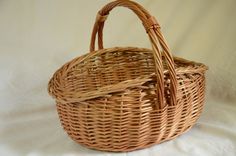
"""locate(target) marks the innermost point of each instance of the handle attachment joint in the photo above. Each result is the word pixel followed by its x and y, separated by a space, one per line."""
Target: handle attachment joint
pixel 151 23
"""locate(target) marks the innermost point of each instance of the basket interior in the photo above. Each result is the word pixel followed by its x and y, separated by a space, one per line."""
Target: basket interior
pixel 109 68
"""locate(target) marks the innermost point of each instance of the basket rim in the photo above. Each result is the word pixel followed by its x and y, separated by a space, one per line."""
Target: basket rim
pixel 62 72
pixel 88 55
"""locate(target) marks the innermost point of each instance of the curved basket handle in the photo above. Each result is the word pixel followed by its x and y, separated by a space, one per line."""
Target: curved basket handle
pixel 157 41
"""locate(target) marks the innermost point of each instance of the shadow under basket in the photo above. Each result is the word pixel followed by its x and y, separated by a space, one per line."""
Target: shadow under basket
pixel 128 98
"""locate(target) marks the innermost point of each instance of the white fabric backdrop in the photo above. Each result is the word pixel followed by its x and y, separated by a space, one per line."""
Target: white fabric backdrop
pixel 38 36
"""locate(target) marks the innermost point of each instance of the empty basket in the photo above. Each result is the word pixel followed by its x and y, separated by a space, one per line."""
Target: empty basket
pixel 128 98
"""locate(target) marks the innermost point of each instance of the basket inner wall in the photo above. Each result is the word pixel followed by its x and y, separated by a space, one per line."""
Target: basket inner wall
pixel 112 68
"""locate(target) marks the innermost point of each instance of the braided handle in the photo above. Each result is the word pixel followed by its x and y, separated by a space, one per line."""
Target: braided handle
pixel 156 38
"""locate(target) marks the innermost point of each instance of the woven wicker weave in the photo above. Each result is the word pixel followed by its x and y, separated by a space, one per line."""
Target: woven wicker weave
pixel 123 99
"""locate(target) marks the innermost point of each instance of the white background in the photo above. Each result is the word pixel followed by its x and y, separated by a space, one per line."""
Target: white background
pixel 39 36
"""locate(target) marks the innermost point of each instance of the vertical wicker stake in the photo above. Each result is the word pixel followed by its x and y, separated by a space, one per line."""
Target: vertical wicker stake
pixel 128 98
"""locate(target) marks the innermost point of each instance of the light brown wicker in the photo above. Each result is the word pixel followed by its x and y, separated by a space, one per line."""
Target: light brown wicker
pixel 124 99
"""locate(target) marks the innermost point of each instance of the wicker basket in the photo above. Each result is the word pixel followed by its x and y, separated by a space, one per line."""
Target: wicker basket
pixel 124 99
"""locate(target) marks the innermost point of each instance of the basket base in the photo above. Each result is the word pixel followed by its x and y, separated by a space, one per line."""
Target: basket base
pixel 135 148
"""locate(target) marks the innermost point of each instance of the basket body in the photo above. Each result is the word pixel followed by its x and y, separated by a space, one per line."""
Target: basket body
pixel 107 100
